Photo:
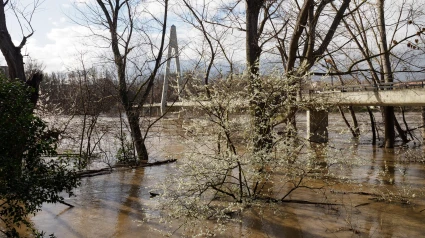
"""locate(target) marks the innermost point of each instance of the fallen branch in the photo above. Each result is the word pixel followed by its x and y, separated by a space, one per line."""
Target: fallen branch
pixel 93 172
pixel 312 203
pixel 269 199
pixel 157 163
pixel 362 204
pixel 344 229
pixel 96 172
pixel 358 193
pixel 65 203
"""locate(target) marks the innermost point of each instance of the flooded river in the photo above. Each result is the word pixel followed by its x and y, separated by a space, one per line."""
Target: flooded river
pixel 383 197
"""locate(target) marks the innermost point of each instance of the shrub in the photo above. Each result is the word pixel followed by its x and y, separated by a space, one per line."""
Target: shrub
pixel 30 172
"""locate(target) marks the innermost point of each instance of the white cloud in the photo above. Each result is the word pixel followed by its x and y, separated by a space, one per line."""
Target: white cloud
pixel 67 44
pixel 61 21
pixel 81 3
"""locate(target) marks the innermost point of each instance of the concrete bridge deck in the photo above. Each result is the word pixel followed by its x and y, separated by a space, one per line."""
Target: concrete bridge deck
pixel 385 94
pixel 388 94
pixel 400 97
pixel 397 97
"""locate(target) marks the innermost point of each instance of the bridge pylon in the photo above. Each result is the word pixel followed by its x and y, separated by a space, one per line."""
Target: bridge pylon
pixel 173 52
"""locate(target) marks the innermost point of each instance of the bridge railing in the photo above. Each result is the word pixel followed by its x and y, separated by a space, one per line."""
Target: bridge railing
pixel 369 87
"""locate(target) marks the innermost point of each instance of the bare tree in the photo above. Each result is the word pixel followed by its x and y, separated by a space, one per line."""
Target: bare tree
pixel 378 56
pixel 10 51
pixel 127 35
pixel 310 39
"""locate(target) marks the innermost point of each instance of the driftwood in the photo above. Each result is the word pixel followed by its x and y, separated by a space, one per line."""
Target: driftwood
pixel 358 193
pixel 274 200
pixel 156 163
pixel 311 203
pixel 362 204
pixel 65 203
pixel 96 172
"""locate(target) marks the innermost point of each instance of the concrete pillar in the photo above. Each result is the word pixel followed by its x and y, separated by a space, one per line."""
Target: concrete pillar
pixel 173 52
pixel 317 125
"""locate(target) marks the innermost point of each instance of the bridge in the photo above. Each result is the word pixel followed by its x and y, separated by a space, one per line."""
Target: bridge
pixel 386 94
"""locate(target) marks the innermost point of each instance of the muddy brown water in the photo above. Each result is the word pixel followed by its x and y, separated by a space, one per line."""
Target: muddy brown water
pixel 114 205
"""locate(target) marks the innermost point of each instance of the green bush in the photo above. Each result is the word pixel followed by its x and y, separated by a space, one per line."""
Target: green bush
pixel 30 172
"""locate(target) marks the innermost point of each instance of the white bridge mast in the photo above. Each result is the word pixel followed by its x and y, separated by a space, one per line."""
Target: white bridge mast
pixel 173 52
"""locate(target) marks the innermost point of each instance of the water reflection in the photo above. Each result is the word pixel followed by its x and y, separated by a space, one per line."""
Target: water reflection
pixel 105 206
pixel 258 224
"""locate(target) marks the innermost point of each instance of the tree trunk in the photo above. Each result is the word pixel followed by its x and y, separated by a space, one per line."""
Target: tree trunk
pixel 346 122
pixel 136 135
pixel 372 125
pixel 11 53
pixel 408 131
pixel 355 123
pixel 294 43
pixel 401 132
pixel 253 50
pixel 388 76
pixel 262 125
pixel 389 133
pixel 423 122
pixel 132 116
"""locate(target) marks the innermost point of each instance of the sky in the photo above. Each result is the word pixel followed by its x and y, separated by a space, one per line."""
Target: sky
pixel 58 42
pixel 52 41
